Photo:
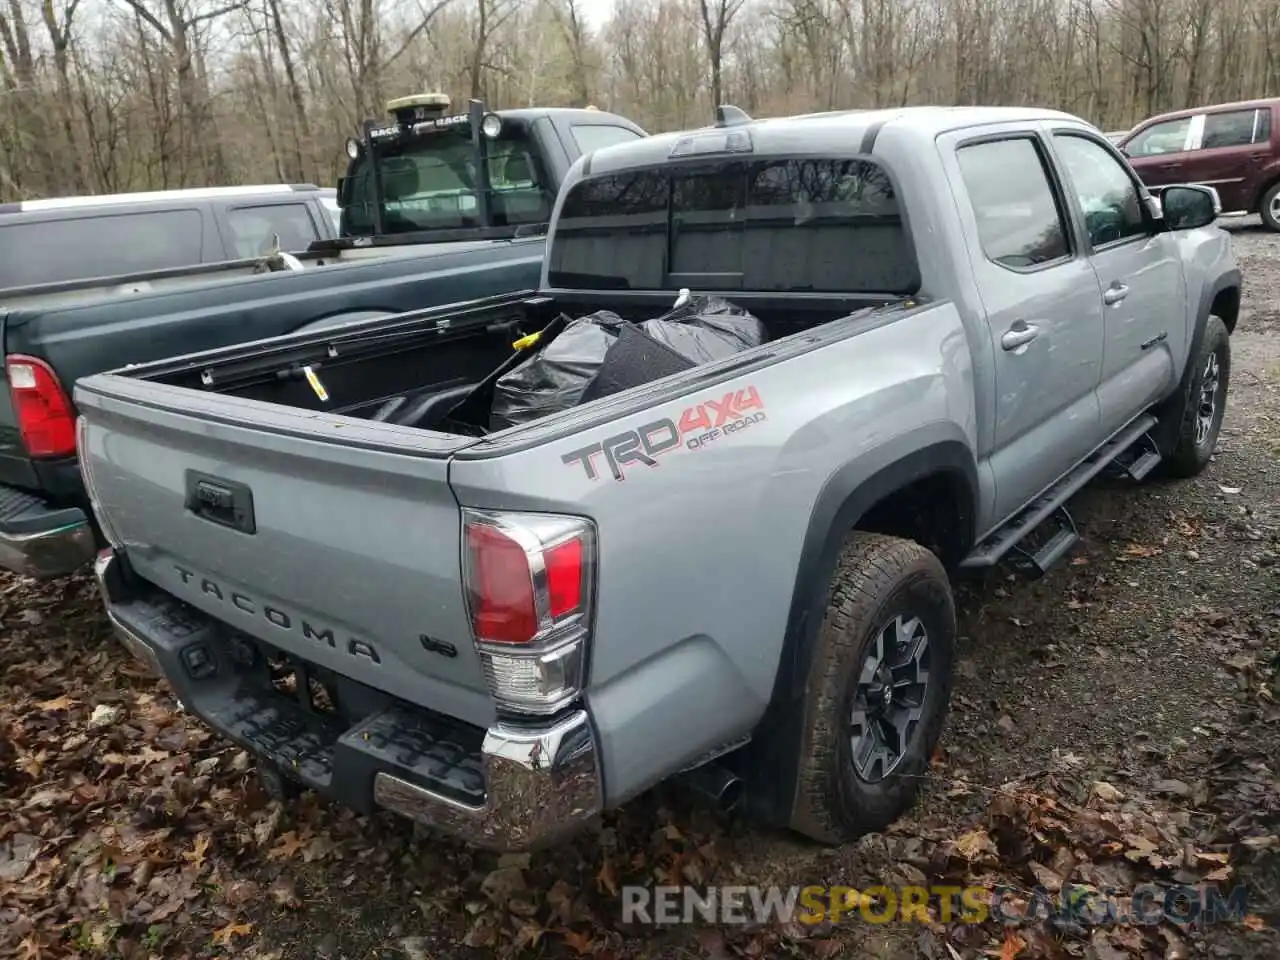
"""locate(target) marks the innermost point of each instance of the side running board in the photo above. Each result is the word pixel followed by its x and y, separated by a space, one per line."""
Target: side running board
pixel 1131 450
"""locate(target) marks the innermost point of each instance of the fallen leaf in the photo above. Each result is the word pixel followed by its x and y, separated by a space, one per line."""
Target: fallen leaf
pixel 1105 791
pixel 605 879
pixel 1173 787
pixel 288 846
pixel 196 855
pixel 975 845
pixel 415 948
pixel 581 943
pixel 285 893
pixel 16 856
pixel 57 703
pixel 1013 945
pixel 223 936
pixel 1254 922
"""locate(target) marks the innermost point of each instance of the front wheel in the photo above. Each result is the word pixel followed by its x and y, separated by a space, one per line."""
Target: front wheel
pixel 1204 403
pixel 877 690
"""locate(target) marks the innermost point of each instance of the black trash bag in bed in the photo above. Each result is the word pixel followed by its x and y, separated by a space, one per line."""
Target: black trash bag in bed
pixel 601 353
pixel 707 328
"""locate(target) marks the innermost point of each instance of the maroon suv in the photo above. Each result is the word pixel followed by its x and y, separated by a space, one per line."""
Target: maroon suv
pixel 1232 147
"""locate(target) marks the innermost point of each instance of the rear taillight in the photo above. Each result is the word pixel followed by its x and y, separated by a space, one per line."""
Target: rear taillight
pixel 529 580
pixel 41 407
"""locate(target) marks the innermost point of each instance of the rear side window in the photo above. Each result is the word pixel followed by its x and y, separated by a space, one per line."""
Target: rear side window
pixel 254 229
pixel 1019 220
pixel 98 245
pixel 1237 128
pixel 817 225
pixel 594 136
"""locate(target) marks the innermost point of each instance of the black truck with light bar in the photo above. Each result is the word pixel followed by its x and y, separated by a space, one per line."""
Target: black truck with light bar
pixel 431 176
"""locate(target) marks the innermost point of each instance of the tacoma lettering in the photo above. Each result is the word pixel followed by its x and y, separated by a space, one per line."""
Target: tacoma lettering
pixel 278 618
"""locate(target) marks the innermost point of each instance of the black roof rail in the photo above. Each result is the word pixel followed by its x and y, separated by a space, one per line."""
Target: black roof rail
pixel 728 115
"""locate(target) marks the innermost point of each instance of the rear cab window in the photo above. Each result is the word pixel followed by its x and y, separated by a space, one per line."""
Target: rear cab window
pixel 429 182
pixel 98 244
pixel 255 228
pixel 811 225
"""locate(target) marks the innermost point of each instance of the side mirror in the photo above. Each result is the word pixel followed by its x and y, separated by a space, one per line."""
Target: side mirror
pixel 1188 206
pixel 342 192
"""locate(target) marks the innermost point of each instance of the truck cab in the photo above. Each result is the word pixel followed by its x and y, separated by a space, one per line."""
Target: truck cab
pixel 430 176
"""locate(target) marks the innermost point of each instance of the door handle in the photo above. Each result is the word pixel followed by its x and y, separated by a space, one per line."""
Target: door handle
pixel 1114 294
pixel 1019 335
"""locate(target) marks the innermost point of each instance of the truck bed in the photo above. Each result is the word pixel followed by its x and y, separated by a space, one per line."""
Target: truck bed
pixel 411 370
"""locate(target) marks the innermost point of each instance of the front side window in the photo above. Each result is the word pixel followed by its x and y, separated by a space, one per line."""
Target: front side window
pixel 430 183
pixel 1019 221
pixel 1160 138
pixel 1234 129
pixel 255 229
pixel 811 225
pixel 1109 198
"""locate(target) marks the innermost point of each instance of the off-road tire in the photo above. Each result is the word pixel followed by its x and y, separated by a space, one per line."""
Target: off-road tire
pixel 876 578
pixel 1269 219
pixel 1186 458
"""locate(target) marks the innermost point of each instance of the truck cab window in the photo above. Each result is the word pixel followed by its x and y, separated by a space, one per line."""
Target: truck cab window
pixel 1108 196
pixel 1019 221
pixel 430 183
pixel 812 225
pixel 254 229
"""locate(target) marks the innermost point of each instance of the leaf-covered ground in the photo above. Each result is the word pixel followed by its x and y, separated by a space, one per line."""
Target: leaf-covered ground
pixel 1115 724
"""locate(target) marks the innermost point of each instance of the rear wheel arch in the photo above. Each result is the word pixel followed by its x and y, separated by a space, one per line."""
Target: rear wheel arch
pixel 941 479
pixel 1219 299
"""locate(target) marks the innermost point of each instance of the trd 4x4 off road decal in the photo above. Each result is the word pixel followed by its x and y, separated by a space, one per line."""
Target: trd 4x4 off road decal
pixel 698 426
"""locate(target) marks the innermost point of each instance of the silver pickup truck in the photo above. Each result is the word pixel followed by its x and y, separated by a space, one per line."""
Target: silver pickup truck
pixel 737 573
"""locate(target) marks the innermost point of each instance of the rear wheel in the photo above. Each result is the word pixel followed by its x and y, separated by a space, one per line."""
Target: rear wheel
pixel 877 690
pixel 1269 208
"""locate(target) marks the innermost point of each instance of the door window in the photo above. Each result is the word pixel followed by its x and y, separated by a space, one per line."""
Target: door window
pixel 1109 198
pixel 254 229
pixel 1234 129
pixel 1160 138
pixel 1019 219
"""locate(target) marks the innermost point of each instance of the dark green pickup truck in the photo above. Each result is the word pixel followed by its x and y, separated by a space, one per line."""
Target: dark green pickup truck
pixel 409 245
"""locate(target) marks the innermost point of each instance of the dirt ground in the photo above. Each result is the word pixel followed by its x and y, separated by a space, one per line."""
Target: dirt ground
pixel 1113 724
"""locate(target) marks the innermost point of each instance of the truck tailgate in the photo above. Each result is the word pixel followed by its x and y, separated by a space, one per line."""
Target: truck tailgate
pixel 345 554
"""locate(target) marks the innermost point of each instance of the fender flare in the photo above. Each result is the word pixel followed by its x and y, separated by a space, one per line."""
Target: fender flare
pixel 773 755
pixel 1169 411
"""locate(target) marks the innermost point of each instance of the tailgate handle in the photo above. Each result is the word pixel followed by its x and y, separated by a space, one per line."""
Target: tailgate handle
pixel 224 502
